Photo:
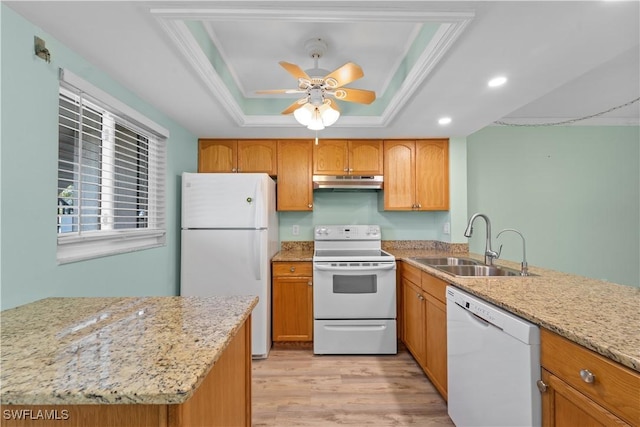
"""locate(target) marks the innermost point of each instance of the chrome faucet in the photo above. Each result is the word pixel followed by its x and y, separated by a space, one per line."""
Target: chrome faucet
pixel 524 269
pixel 489 254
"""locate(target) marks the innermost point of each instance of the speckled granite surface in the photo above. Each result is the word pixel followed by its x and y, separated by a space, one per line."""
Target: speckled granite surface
pixel 602 316
pixel 153 350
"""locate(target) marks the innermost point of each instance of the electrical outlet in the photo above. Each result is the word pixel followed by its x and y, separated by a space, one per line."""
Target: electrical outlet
pixel 295 230
pixel 446 228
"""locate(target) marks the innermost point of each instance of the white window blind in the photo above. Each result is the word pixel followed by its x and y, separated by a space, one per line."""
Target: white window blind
pixel 111 176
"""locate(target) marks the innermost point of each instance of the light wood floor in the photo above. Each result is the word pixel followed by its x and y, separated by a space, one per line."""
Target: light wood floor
pixel 292 387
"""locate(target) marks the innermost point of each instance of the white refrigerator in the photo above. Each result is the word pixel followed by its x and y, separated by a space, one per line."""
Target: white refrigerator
pixel 229 235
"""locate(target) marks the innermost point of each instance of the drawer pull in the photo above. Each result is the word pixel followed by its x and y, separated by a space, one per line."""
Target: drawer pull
pixel 292 269
pixel 541 386
pixel 587 376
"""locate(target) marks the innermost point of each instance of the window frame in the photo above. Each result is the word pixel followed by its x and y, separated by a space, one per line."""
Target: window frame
pixel 83 245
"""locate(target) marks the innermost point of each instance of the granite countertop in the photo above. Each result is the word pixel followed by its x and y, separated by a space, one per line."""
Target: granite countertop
pixel 596 314
pixel 147 350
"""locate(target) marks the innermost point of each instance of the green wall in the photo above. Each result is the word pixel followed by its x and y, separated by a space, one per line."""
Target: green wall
pixel 574 192
pixel 28 171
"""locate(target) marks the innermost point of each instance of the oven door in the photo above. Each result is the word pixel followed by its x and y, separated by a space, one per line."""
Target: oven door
pixel 354 290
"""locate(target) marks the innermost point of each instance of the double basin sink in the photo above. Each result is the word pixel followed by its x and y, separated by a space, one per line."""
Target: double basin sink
pixel 465 267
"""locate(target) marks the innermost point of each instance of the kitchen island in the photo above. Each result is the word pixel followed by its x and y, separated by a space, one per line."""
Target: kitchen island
pixel 148 361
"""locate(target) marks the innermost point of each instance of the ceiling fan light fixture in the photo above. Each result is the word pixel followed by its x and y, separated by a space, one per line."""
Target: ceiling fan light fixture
pixel 304 114
pixel 328 114
pixel 316 121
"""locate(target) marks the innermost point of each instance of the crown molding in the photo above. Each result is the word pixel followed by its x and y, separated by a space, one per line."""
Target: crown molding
pixel 452 25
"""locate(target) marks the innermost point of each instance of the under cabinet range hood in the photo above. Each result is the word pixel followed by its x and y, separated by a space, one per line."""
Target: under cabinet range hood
pixel 364 182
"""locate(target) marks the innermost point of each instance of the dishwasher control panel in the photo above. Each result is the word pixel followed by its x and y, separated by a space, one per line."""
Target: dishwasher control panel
pixel 478 308
pixel 496 316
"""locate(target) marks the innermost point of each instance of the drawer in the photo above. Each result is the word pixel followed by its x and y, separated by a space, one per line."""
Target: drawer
pixel 434 286
pixel 615 387
pixel 411 273
pixel 293 269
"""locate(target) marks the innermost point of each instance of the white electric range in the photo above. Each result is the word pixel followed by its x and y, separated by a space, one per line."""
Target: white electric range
pixel 354 293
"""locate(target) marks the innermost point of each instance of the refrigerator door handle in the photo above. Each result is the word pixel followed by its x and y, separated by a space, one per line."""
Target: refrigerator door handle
pixel 259 196
pixel 257 252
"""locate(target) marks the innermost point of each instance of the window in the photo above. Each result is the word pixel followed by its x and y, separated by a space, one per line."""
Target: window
pixel 111 176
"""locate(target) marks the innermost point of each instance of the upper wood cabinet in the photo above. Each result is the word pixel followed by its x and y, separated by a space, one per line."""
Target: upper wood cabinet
pixel 295 166
pixel 231 155
pixel 416 174
pixel 348 157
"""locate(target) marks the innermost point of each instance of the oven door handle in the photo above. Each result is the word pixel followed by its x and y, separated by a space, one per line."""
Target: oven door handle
pixel 354 268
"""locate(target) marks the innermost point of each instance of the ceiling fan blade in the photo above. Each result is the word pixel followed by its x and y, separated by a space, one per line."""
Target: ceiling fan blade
pixel 276 91
pixel 344 75
pixel 361 96
pixel 293 107
pixel 294 70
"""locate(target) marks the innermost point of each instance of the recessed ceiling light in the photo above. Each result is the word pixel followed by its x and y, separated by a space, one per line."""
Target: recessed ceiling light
pixel 444 120
pixel 497 81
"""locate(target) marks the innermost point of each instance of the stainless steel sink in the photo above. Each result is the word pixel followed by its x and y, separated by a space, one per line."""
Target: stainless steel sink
pixel 478 270
pixel 435 261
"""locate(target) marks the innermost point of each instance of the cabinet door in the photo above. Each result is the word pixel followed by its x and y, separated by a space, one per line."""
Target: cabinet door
pixel 432 175
pixel 217 155
pixel 257 156
pixel 366 157
pixel 399 175
pixel 295 185
pixel 436 343
pixel 292 309
pixel 330 157
pixel 564 406
pixel 413 303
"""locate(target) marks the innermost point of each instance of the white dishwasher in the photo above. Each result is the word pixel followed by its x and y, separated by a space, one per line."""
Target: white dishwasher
pixel 493 364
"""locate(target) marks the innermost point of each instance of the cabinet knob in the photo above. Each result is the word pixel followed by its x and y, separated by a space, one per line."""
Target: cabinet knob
pixel 309 205
pixel 292 269
pixel 541 386
pixel 310 283
pixel 587 376
pixel 345 170
pixel 350 169
pixel 233 170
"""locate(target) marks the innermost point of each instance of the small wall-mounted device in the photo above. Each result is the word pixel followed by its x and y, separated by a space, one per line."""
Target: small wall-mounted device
pixel 40 49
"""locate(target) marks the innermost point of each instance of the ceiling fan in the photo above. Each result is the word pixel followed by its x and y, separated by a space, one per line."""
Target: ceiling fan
pixel 320 88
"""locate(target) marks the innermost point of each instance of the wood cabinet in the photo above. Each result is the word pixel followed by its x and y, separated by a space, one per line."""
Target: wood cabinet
pixel 425 323
pixel 348 157
pixel 571 397
pixel 222 399
pixel 295 166
pixel 292 296
pixel 413 302
pixel 244 155
pixel 435 331
pixel 416 174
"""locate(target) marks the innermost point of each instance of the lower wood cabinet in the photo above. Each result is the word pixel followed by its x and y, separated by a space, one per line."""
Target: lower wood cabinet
pixel 583 388
pixel 425 323
pixel 292 301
